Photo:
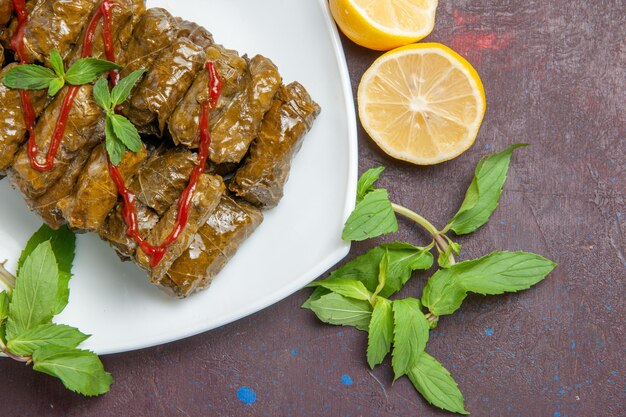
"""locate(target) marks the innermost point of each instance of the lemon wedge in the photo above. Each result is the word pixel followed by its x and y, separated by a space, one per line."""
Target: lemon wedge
pixel 422 103
pixel 384 24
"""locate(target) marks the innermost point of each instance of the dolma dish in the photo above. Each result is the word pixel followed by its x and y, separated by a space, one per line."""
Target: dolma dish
pixel 219 131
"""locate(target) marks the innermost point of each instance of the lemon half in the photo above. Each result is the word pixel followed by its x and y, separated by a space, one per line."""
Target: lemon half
pixel 422 103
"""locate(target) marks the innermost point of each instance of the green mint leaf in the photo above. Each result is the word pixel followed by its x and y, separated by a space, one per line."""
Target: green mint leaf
pixel 87 70
pixel 496 273
pixel 102 94
pixel 483 195
pixel 383 267
pixel 80 370
pixel 315 295
pixel 24 344
pixel 346 287
pixel 339 310
pixel 366 182
pixel 34 297
pixel 56 62
pixel 410 335
pixel 115 147
pixel 63 243
pixel 55 86
pixel 5 300
pixel 123 88
pixel 29 77
pixel 436 385
pixel 380 332
pixel 373 216
pixel 404 258
pixel 444 257
pixel 126 132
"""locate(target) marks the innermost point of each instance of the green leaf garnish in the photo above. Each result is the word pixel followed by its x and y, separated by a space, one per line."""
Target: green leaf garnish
pixel 34 298
pixel 339 310
pixel 87 70
pixel 484 192
pixel 496 273
pixel 56 62
pixel 366 182
pixel 120 133
pixel 29 77
pixel 346 287
pixel 373 216
pixel 24 344
pixel 380 332
pixel 436 384
pixel 410 334
pixel 80 370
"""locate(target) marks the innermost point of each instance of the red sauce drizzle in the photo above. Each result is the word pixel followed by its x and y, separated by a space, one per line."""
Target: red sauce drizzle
pixel 129 210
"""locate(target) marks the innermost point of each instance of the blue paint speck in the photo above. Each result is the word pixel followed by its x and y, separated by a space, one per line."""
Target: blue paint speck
pixel 489 332
pixel 561 391
pixel 246 395
pixel 294 352
pixel 339 334
pixel 556 414
pixel 573 344
pixel 614 373
pixel 517 327
pixel 487 146
pixel 346 380
pixel 556 377
pixel 609 308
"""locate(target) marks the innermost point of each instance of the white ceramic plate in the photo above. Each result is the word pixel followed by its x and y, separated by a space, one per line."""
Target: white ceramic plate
pixel 298 240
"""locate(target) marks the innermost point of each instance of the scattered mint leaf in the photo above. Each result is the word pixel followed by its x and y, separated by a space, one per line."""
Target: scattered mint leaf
pixel 126 132
pixel 123 88
pixel 56 62
pixel 404 258
pixel 436 385
pixel 87 70
pixel 316 295
pixel 337 309
pixel 29 77
pixel 380 332
pixel 115 147
pixel 444 257
pixel 5 300
pixel 63 243
pixel 102 94
pixel 80 370
pixel 366 182
pixel 484 192
pixel 24 344
pixel 55 86
pixel 35 295
pixel 496 273
pixel 346 287
pixel 382 273
pixel 373 216
pixel 410 335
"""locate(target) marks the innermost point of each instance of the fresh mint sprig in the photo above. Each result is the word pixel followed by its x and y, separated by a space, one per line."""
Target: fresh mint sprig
pixel 120 133
pixel 28 306
pixel 37 77
pixel 357 294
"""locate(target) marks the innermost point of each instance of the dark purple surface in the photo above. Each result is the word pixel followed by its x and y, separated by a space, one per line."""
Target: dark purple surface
pixel 554 74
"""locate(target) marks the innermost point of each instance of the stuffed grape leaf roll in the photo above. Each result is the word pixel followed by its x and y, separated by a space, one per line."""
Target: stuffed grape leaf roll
pixel 184 123
pixel 5 12
pixel 213 246
pixel 83 119
pixel 114 229
pixel 206 197
pixel 161 180
pixel 12 126
pixel 55 24
pixel 95 194
pixel 194 32
pixel 240 121
pixel 266 169
pixel 165 84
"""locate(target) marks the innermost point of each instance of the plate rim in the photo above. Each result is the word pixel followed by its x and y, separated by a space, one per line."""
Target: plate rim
pixel 332 259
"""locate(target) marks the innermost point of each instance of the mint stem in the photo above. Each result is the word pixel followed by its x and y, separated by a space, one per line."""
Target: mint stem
pixel 6 277
pixel 441 243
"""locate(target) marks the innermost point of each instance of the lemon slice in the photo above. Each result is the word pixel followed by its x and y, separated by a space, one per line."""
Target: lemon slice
pixel 422 103
pixel 384 24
